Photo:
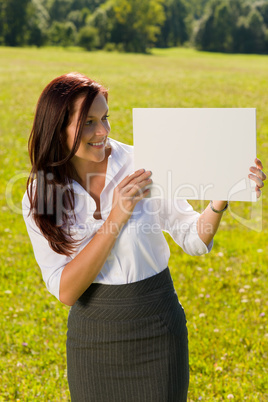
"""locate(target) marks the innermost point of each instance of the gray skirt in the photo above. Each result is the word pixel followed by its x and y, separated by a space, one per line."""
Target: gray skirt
pixel 128 343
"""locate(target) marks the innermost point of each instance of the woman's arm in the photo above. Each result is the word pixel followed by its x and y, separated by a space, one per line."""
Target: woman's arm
pixel 209 220
pixel 79 273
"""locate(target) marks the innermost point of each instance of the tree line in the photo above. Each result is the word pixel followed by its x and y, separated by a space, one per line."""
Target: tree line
pixel 233 26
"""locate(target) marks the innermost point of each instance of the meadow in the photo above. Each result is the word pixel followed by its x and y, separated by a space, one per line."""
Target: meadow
pixel 223 293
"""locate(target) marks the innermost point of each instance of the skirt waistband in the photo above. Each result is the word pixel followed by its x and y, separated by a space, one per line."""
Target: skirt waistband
pixel 130 293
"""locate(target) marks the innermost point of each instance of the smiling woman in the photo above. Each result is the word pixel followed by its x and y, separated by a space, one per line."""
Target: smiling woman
pixel 93 144
pixel 60 126
pixel 101 250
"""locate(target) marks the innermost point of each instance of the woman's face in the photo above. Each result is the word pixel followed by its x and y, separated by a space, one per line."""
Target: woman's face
pixel 95 131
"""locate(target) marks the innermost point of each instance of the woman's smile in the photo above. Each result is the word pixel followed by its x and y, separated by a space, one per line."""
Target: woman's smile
pixel 98 145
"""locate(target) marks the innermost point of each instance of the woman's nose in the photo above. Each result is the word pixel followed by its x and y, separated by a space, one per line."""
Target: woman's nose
pixel 102 128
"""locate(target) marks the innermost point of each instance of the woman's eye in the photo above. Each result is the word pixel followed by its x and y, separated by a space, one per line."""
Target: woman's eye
pixel 105 117
pixel 89 122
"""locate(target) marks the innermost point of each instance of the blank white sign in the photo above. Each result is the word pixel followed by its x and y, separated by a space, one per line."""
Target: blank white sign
pixel 201 154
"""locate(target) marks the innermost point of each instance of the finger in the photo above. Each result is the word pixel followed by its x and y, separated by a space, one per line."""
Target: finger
pixel 129 190
pixel 142 195
pixel 130 177
pixel 258 191
pixel 257 180
pixel 135 188
pixel 258 163
pixel 141 177
pixel 258 172
pixel 136 179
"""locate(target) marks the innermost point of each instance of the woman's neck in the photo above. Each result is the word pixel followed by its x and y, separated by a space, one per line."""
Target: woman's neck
pixel 88 171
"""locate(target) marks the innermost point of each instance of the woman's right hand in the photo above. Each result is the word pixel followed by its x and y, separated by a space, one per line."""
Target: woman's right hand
pixel 127 194
pixel 82 270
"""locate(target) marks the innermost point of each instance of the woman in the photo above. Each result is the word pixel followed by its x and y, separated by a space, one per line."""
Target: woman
pixel 101 250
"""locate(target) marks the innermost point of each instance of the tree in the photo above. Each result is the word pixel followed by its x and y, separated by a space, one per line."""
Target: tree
pixel 232 26
pixel 37 23
pixel 262 8
pixel 62 34
pixel 78 17
pixel 136 23
pixel 252 34
pixel 92 5
pixel 222 28
pixel 2 19
pixel 197 8
pixel 103 19
pixel 204 30
pixel 174 30
pixel 59 9
pixel 13 20
pixel 88 38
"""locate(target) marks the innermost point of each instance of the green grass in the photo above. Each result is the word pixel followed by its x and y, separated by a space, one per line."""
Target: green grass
pixel 224 293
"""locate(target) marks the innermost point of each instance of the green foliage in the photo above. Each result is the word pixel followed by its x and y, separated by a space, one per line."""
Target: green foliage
pixel 103 20
pixel 136 23
pixel 223 25
pixel 13 21
pixel 233 26
pixel 88 38
pixel 262 7
pixel 59 9
pixel 224 293
pixel 197 7
pixel 37 23
pixel 61 33
pixel 78 17
pixel 254 33
pixel 174 30
pixel 92 5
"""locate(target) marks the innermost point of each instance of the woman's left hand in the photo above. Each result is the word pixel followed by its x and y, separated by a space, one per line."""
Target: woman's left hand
pixel 258 176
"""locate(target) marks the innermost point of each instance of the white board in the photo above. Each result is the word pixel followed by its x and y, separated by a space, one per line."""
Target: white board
pixel 201 154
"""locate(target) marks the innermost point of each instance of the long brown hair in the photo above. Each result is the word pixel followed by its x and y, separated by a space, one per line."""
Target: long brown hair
pixel 50 193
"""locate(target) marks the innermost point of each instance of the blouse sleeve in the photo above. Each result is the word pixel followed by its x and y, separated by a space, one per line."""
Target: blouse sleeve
pixel 50 262
pixel 180 220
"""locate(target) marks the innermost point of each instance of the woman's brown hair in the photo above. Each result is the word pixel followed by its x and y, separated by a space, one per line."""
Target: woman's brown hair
pixel 49 184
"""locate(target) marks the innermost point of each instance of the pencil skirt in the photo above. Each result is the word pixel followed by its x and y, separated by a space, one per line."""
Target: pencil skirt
pixel 128 343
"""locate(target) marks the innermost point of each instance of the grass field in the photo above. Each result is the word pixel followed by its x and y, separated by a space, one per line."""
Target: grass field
pixel 224 293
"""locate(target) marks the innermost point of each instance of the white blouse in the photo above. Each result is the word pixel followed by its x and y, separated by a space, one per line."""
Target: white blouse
pixel 140 250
